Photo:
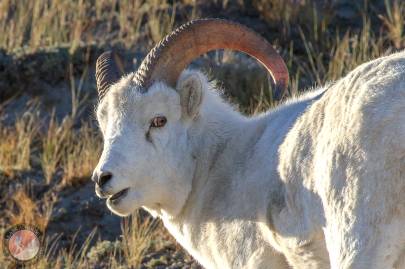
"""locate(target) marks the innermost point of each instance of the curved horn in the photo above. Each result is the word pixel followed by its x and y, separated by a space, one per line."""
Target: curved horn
pixel 107 72
pixel 173 54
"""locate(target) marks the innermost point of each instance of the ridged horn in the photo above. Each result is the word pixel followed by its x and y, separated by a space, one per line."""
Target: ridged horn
pixel 107 72
pixel 176 51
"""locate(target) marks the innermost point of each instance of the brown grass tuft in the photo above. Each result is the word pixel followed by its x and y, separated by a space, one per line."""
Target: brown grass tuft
pixel 32 212
pixel 16 142
pixel 394 21
pixel 137 235
pixel 53 144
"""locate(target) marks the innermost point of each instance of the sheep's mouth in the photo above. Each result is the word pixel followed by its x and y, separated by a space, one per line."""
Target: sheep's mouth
pixel 118 196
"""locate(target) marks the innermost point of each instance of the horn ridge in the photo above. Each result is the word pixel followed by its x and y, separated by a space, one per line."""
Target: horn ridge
pixel 107 72
pixel 143 74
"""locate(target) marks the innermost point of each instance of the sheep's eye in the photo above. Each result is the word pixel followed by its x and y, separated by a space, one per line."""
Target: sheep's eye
pixel 158 121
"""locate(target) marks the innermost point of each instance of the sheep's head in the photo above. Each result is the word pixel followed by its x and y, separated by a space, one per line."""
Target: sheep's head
pixel 146 117
pixel 146 147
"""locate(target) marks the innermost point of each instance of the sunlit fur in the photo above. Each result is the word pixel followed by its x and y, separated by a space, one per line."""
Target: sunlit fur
pixel 318 182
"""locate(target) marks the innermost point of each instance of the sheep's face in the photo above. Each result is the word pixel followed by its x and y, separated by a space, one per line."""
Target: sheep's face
pixel 147 158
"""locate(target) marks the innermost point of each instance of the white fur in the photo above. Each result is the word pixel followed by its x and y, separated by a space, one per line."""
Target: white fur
pixel 316 183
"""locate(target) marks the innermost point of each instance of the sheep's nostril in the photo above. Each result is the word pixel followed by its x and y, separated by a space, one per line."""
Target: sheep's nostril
pixel 104 178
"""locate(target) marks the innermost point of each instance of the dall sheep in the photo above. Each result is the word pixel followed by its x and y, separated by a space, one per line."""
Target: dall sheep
pixel 318 182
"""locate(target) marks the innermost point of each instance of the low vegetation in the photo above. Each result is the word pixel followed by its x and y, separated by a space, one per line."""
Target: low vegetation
pixel 41 147
pixel 16 144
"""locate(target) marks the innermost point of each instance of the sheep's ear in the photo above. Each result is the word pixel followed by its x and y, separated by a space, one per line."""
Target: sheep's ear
pixel 190 88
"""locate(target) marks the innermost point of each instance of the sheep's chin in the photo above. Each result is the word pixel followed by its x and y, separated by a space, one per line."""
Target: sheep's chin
pixel 126 205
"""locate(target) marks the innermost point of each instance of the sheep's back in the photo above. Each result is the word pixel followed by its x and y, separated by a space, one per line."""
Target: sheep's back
pixel 348 148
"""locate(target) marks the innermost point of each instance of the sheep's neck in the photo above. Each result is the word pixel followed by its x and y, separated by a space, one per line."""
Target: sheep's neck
pixel 201 227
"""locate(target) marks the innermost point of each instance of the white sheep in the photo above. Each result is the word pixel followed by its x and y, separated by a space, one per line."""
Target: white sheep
pixel 318 182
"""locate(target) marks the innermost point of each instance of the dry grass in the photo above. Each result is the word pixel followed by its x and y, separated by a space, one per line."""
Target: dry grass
pixel 34 24
pixel 16 143
pixel 73 257
pixel 75 151
pixel 29 211
pixel 353 50
pixel 137 238
pixel 53 144
pixel 394 21
pixel 41 23
pixel 285 11
pixel 80 155
pixel 161 19
pixel 345 54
